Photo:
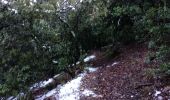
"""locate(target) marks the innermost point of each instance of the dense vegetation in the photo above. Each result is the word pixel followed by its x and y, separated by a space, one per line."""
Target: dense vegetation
pixel 40 39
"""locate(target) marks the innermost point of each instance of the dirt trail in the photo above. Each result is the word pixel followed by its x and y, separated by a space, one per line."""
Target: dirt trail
pixel 120 78
pixel 123 80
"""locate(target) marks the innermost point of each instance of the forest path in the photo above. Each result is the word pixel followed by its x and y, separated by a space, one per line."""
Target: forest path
pixel 121 78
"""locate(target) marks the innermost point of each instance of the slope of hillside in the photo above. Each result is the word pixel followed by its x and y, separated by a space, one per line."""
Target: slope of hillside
pixel 123 77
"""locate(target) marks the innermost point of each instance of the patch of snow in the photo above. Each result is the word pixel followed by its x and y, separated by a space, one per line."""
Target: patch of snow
pixel 81 0
pixel 4 1
pixel 55 61
pixel 58 4
pixel 90 69
pixel 70 91
pixel 10 98
pixel 115 63
pixel 118 23
pixel 15 98
pixel 73 8
pixel 108 66
pixel 14 10
pixel 31 3
pixel 87 92
pixel 89 58
pixel 42 83
pixel 77 62
pixel 157 93
pixel 18 96
pixel 34 1
pixel 48 11
pixel 56 76
pixel 48 82
pixel 44 45
pixel 50 93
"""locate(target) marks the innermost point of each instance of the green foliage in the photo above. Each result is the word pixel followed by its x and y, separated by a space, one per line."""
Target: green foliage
pixel 126 10
pixel 62 63
pixel 151 45
pixel 27 49
pixel 4 89
pixel 163 56
pixel 163 53
pixel 164 70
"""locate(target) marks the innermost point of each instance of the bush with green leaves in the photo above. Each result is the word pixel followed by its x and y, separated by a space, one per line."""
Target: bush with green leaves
pixel 163 53
pixel 164 70
pixel 29 45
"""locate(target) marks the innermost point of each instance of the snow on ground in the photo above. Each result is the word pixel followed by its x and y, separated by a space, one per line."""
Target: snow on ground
pixel 42 84
pixel 55 61
pixel 71 90
pixel 77 62
pixel 14 98
pixel 87 92
pixel 4 1
pixel 115 63
pixel 90 69
pixel 49 94
pixel 89 58
pixel 157 93
pixel 45 83
pixel 10 98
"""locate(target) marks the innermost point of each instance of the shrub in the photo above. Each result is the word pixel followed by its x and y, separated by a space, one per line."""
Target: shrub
pixel 163 53
pixel 152 45
pixel 164 70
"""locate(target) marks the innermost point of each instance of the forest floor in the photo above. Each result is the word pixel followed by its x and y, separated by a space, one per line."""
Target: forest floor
pixel 125 77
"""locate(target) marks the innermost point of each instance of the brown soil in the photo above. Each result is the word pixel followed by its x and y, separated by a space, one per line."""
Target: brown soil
pixel 126 80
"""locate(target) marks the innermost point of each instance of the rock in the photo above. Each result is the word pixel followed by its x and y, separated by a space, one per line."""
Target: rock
pixel 62 78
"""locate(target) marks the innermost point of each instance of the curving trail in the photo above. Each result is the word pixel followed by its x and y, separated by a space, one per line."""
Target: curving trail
pixel 120 78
